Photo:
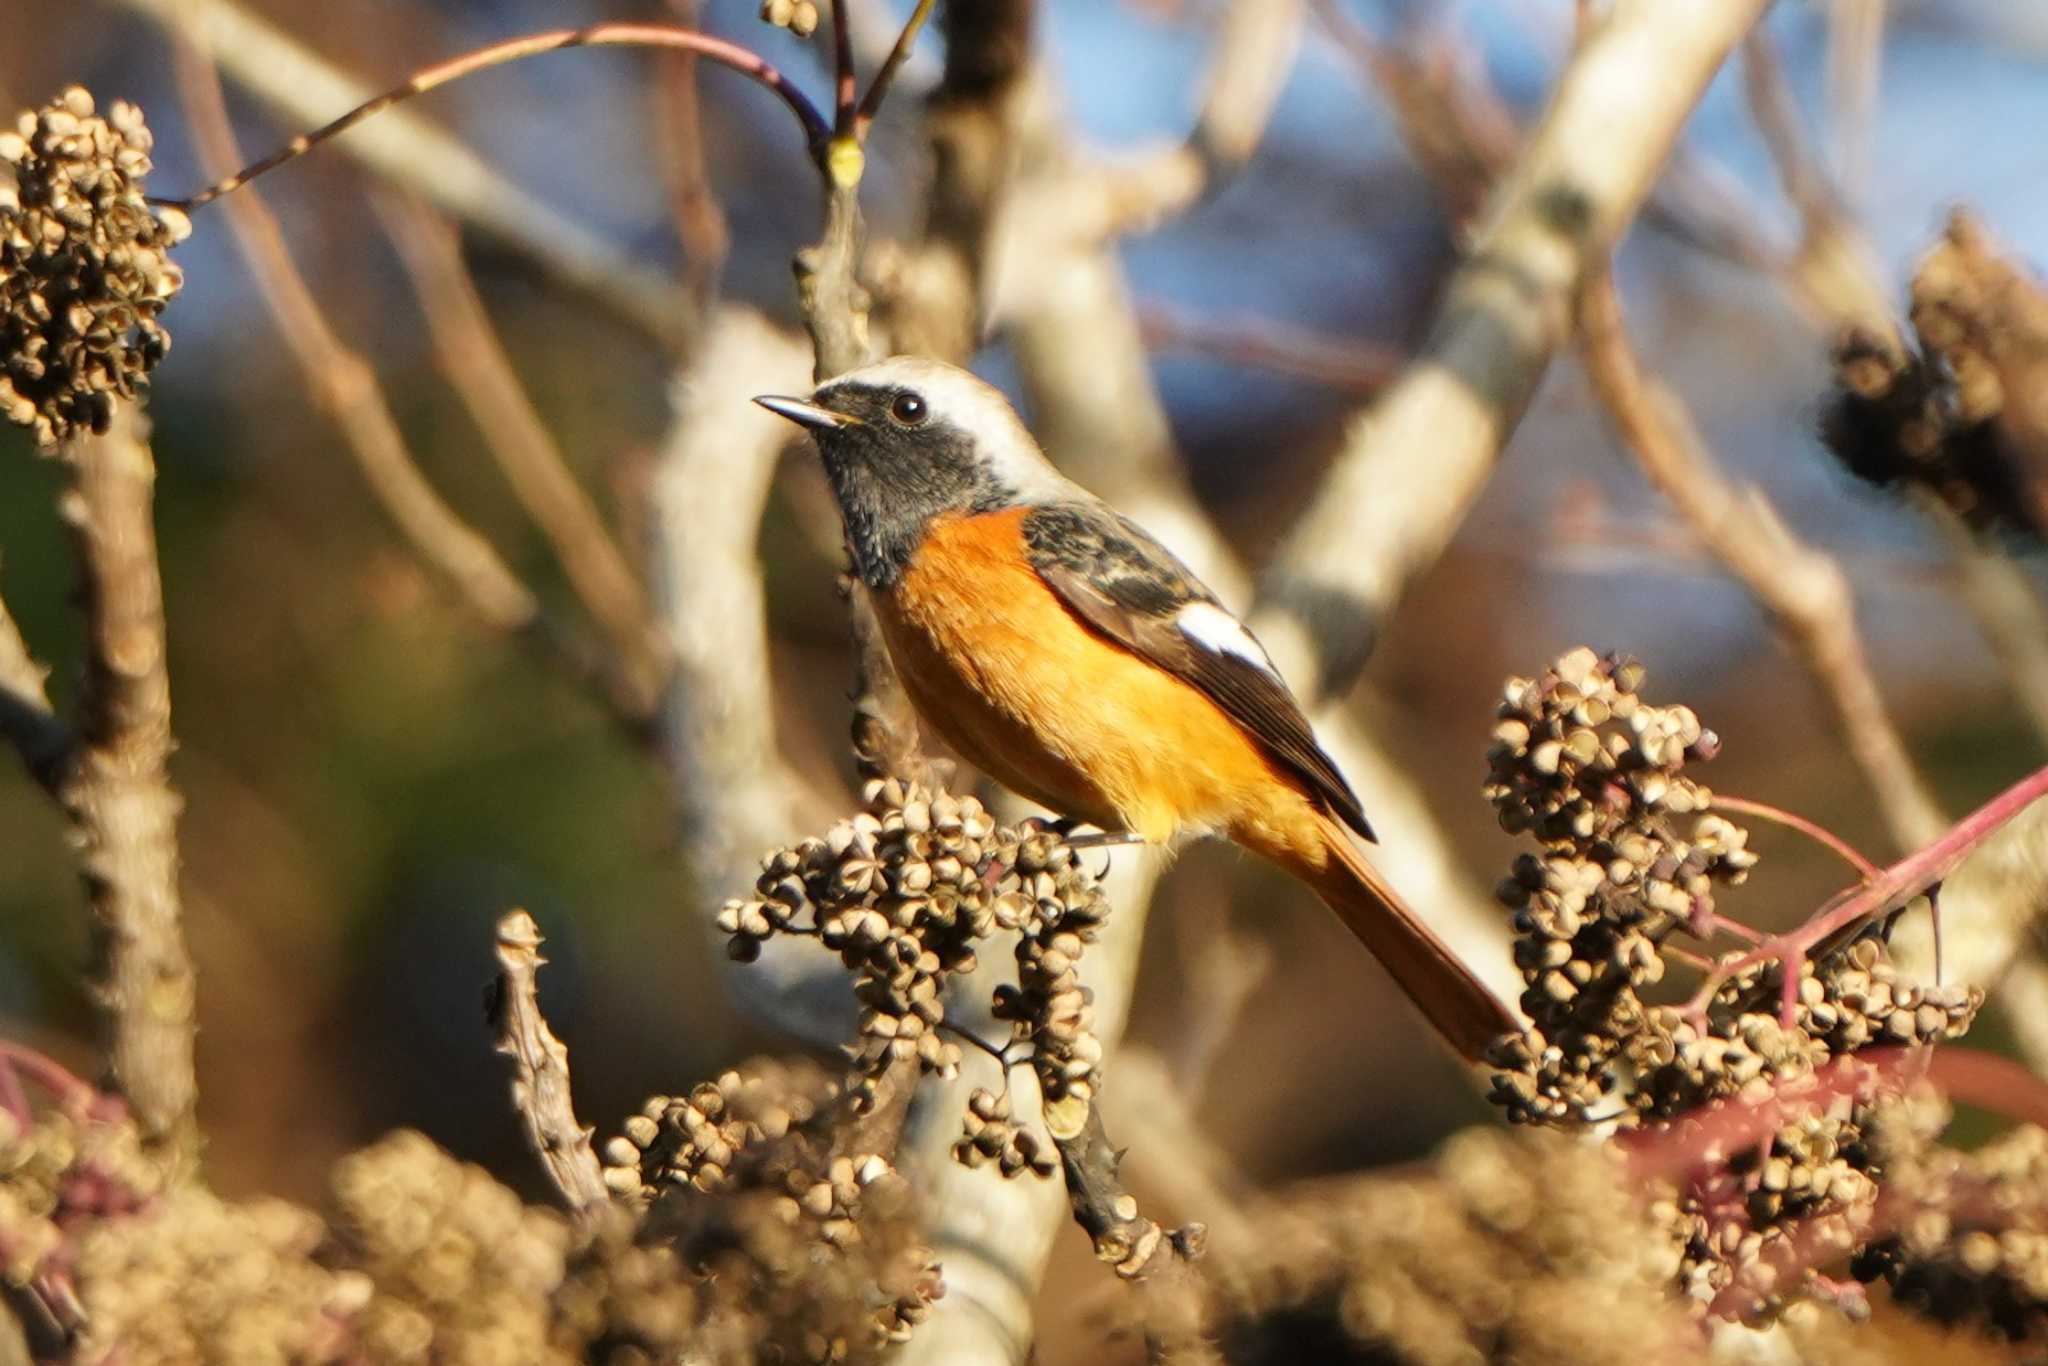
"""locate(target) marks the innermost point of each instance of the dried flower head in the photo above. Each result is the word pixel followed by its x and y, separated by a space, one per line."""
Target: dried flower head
pixel 1953 417
pixel 84 268
pixel 1631 854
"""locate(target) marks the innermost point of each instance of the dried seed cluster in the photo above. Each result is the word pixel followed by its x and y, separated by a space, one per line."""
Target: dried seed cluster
pixel 1952 418
pixel 1630 853
pixel 798 16
pixel 905 892
pixel 84 268
pixel 1971 1244
pixel 762 1136
pixel 1521 1247
pixel 695 1140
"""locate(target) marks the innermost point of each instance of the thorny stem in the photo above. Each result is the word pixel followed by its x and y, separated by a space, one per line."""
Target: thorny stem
pixel 1814 831
pixel 540 1069
pixel 1889 889
pixel 817 133
pixel 878 88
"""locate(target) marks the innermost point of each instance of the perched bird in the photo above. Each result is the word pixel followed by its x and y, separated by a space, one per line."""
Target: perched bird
pixel 1069 655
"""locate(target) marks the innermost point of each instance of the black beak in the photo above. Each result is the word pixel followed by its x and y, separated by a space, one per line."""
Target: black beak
pixel 805 414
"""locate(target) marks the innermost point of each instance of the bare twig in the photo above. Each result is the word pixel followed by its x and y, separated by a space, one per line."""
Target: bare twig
pixel 1344 364
pixel 2006 605
pixel 343 383
pixel 301 86
pixel 1803 589
pixel 701 226
pixel 1584 173
pixel 116 787
pixel 878 88
pixel 518 439
pixel 540 1069
pixel 669 36
pixel 1854 64
pixel 1837 269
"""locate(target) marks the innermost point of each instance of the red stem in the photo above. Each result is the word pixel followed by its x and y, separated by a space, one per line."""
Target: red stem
pixel 1818 833
pixel 1896 885
pixel 743 60
pixel 1989 1082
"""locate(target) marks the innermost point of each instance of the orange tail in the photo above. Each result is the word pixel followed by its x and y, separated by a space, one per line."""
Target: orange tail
pixel 1455 1001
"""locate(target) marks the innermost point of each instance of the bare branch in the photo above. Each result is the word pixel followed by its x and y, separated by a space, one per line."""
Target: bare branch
pixel 116 787
pixel 474 359
pixel 2006 605
pixel 540 1069
pixel 1836 270
pixel 1854 63
pixel 1804 590
pixel 701 226
pixel 735 795
pixel 878 88
pixel 1384 513
pixel 1342 363
pixel 408 150
pixel 343 383
pixel 667 36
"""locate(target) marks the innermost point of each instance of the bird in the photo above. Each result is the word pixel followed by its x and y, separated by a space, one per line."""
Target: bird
pixel 1066 653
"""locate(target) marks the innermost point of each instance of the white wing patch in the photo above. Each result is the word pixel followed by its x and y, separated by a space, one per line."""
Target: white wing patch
pixel 1218 632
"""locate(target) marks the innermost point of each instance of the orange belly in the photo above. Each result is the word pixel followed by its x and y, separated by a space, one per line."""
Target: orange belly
pixel 995 662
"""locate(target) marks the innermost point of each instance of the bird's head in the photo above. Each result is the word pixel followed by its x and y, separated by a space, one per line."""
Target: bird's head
pixel 907 440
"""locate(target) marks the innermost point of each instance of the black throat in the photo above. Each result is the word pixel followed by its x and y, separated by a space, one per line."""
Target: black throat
pixel 892 483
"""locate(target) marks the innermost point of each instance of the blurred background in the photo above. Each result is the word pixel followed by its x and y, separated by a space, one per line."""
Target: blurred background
pixel 372 777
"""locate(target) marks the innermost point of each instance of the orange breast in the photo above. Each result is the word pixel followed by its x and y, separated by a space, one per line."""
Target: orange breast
pixel 997 665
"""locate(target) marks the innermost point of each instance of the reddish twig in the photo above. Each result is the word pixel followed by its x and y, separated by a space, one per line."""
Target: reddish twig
pixel 1989 1082
pixel 845 83
pixel 1819 834
pixel 817 132
pixel 1708 1136
pixel 1889 889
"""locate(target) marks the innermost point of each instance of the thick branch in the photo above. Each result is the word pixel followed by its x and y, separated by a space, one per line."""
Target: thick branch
pixel 1413 464
pixel 117 788
pixel 1804 591
pixel 540 1069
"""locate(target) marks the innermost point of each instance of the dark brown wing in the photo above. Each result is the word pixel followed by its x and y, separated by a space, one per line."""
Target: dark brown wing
pixel 1127 586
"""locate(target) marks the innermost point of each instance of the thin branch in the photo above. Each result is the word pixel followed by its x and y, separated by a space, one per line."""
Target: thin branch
pixel 1335 362
pixel 117 789
pixel 701 226
pixel 301 86
pixel 1584 173
pixel 845 81
pixel 2006 605
pixel 343 383
pixel 1854 64
pixel 1813 830
pixel 1805 591
pixel 1911 876
pixel 474 359
pixel 878 88
pixel 743 60
pixel 540 1069
pixel 1837 268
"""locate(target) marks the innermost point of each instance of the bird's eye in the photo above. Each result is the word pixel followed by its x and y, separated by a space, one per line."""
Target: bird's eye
pixel 908 409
